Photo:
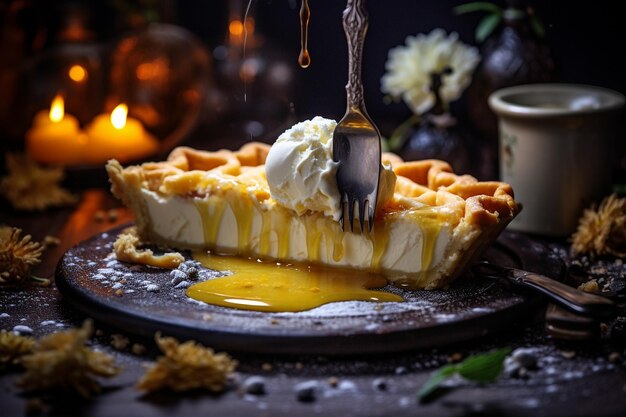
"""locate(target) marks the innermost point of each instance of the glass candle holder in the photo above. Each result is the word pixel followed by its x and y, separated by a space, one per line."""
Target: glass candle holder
pixel 162 73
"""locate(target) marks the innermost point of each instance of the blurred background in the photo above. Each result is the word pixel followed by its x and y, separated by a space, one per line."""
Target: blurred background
pixel 183 72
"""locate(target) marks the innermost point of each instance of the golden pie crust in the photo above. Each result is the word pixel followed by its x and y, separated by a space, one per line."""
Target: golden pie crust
pixel 478 210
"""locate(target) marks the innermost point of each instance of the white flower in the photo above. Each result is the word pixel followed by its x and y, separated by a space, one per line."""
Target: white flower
pixel 409 69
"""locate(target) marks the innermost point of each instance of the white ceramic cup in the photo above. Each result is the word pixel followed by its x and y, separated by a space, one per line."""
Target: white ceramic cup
pixel 556 150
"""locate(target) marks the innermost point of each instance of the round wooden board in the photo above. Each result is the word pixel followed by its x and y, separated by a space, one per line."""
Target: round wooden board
pixel 88 277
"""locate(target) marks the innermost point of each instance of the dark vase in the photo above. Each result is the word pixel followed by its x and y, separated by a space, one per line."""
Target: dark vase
pixel 512 56
pixel 438 137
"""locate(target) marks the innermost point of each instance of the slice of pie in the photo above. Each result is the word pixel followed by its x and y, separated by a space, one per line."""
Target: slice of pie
pixel 424 236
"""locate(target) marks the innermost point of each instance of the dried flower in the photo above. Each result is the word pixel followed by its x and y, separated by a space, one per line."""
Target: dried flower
pixel 13 347
pixel 187 366
pixel 17 255
pixel 602 230
pixel 62 360
pixel 32 187
pixel 410 69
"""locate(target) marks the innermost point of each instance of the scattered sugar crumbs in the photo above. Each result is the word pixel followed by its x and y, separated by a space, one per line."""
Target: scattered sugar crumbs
pixel 62 360
pixel 17 255
pixel 31 187
pixel 602 229
pixel 187 366
pixel 126 248
pixel 13 347
pixel 138 349
pixel 119 341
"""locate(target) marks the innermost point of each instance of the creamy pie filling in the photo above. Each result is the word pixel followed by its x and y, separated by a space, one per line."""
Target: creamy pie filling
pixel 402 244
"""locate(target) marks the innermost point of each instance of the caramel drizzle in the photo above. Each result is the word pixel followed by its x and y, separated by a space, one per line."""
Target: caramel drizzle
pixel 214 211
pixel 304 59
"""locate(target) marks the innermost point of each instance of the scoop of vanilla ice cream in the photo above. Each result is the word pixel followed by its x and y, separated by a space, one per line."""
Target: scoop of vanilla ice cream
pixel 301 172
pixel 300 169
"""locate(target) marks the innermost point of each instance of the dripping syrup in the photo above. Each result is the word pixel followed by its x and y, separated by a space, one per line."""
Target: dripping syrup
pixel 304 59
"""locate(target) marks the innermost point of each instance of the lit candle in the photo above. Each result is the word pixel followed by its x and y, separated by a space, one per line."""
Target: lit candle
pixel 118 136
pixel 55 137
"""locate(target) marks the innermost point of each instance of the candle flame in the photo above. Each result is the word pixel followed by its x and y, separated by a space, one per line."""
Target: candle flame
pixel 57 109
pixel 118 116
pixel 77 73
pixel 235 28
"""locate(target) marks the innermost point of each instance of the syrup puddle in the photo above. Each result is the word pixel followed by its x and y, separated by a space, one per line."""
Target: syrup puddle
pixel 273 287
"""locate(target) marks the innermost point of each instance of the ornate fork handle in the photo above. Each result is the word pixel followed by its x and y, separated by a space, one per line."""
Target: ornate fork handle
pixel 355 28
pixel 356 140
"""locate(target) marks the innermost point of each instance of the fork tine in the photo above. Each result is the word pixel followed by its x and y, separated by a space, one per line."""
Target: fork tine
pixel 363 205
pixel 351 202
pixel 370 215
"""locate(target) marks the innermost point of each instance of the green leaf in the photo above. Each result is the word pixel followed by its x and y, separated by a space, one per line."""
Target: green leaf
pixel 435 379
pixel 44 282
pixel 477 6
pixel 486 26
pixel 536 26
pixel 483 368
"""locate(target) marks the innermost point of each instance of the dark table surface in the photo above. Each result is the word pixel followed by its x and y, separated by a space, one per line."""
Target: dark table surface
pixel 572 378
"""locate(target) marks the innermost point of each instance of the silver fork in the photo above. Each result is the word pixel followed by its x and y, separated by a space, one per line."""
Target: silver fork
pixel 356 141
